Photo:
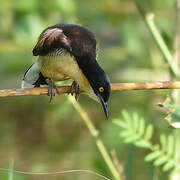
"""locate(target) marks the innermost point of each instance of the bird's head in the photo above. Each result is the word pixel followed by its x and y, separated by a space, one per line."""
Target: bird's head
pixel 102 90
pixel 99 82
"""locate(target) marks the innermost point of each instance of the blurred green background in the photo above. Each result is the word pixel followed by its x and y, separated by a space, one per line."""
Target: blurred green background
pixel 40 136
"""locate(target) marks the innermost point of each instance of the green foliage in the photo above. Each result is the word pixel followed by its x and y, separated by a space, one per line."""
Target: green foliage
pixel 134 131
pixel 167 154
pixel 173 113
pixel 54 133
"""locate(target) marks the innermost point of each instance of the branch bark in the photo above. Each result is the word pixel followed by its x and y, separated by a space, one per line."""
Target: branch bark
pixel 114 87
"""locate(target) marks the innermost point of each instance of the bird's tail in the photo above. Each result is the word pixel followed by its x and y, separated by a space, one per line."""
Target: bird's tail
pixel 33 77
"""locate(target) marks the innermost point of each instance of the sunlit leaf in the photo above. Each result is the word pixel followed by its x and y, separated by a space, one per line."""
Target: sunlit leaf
pixel 127 133
pixel 163 142
pixel 141 127
pixel 169 165
pixel 176 148
pixel 149 132
pixel 170 145
pixel 176 169
pixel 142 143
pixel 135 121
pixel 131 139
pixel 126 117
pixel 161 160
pixel 153 155
pixel 120 123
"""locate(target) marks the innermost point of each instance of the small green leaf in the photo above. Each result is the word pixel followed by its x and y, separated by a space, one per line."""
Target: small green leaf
pixel 169 165
pixel 176 148
pixel 163 142
pixel 141 127
pixel 131 139
pixel 161 160
pixel 126 117
pixel 153 155
pixel 126 133
pixel 135 121
pixel 142 143
pixel 176 169
pixel 170 145
pixel 149 132
pixel 120 123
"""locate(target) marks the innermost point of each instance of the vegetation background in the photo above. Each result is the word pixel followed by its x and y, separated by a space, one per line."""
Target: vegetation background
pixel 41 137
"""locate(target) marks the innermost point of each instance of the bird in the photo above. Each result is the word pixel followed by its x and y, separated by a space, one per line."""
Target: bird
pixel 69 51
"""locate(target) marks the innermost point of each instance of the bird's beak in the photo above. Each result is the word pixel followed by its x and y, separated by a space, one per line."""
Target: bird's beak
pixel 105 106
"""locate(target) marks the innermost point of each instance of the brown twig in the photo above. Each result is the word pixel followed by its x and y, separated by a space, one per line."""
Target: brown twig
pixel 114 87
pixel 118 164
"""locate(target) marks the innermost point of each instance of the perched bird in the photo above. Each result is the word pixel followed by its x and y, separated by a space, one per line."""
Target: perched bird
pixel 67 51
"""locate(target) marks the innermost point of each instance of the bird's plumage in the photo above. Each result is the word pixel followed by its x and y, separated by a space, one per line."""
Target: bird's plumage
pixel 69 51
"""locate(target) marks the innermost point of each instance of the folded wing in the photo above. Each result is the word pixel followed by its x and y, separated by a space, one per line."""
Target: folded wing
pixel 50 40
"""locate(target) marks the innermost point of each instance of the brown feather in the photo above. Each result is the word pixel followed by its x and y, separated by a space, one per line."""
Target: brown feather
pixel 51 39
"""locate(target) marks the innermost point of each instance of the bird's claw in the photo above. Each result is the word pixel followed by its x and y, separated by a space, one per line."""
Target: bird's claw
pixel 51 87
pixel 75 86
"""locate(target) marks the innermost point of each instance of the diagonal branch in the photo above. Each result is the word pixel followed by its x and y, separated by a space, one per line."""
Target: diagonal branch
pixel 114 87
pixel 149 20
pixel 176 41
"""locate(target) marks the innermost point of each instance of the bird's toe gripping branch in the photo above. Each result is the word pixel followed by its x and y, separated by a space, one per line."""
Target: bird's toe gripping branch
pixel 75 86
pixel 51 88
pixel 74 89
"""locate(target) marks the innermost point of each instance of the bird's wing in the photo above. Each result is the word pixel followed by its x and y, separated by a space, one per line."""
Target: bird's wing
pixel 33 77
pixel 50 40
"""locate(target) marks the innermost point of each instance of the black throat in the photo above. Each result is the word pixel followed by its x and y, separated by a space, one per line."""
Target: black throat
pixel 91 70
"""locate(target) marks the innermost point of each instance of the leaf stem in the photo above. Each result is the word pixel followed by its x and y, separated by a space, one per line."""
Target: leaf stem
pixel 94 132
pixel 149 20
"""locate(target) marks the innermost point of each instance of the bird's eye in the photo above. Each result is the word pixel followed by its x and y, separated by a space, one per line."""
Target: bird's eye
pixel 101 89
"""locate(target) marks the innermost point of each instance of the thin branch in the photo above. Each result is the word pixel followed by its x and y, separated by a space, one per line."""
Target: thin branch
pixel 176 49
pixel 114 87
pixel 149 20
pixel 95 134
pixel 176 41
pixel 118 164
pixel 30 91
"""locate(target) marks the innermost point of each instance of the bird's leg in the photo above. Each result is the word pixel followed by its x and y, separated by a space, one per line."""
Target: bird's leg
pixel 77 91
pixel 51 87
pixel 70 91
pixel 75 86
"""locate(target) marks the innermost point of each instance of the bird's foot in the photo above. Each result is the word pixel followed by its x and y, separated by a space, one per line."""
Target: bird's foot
pixel 51 87
pixel 75 86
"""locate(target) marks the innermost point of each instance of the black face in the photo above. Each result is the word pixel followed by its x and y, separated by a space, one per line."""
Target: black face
pixel 102 89
pixel 97 78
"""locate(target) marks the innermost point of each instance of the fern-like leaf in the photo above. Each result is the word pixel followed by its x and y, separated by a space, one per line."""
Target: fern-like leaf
pixel 166 154
pixel 135 131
